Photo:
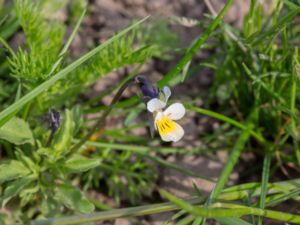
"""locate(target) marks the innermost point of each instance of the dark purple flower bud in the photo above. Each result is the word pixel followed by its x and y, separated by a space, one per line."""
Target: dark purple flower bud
pixel 149 91
pixel 54 119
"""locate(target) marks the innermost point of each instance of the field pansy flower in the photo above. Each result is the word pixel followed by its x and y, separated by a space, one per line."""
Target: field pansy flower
pixel 156 100
pixel 164 119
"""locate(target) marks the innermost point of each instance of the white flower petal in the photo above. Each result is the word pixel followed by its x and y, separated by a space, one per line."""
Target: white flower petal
pixel 175 111
pixel 167 93
pixel 155 105
pixel 174 135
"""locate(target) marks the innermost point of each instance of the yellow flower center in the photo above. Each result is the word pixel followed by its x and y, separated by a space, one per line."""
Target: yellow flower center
pixel 165 125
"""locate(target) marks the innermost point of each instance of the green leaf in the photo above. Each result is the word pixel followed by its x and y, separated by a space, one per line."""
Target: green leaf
pixel 16 131
pixel 72 198
pixel 62 139
pixel 14 188
pixel 12 169
pixel 79 163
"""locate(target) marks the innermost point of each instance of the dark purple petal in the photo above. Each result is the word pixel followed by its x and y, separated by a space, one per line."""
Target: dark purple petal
pixel 146 87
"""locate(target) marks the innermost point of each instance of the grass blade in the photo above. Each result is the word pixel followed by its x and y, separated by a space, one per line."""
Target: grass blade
pixel 226 119
pixel 293 93
pixel 264 183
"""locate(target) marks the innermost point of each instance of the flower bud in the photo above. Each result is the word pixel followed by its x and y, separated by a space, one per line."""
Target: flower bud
pixel 149 91
pixel 54 119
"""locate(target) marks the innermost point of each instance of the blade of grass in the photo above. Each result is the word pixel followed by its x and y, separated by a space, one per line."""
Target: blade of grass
pixel 264 183
pixel 198 43
pixel 232 160
pixel 67 45
pixel 295 74
pixel 284 197
pixel 226 119
pixel 15 107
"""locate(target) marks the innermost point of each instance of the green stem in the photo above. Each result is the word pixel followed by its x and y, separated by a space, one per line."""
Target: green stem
pixel 264 183
pixel 296 71
pixel 99 123
pixel 231 162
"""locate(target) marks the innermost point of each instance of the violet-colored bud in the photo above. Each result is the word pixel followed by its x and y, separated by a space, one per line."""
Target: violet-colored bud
pixel 54 119
pixel 149 91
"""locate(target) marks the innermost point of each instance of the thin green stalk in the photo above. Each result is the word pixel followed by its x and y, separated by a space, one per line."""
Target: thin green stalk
pixel 102 118
pixel 194 48
pixel 99 123
pixel 114 87
pixel 284 197
pixel 296 72
pixel 264 183
pixel 231 162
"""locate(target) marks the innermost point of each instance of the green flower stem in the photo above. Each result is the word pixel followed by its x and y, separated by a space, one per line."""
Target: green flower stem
pixel 99 123
pixel 102 118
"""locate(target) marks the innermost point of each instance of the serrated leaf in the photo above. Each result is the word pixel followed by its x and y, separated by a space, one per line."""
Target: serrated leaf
pixel 12 169
pixel 79 163
pixel 16 131
pixel 14 188
pixel 72 199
